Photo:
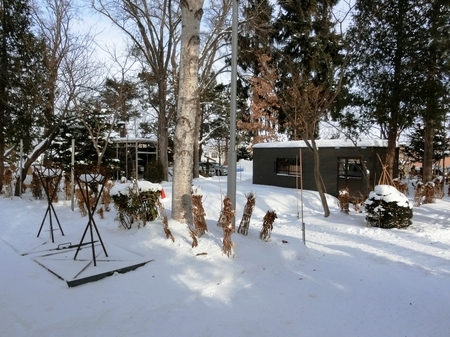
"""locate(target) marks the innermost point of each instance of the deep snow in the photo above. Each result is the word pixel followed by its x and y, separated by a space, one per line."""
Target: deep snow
pixel 348 280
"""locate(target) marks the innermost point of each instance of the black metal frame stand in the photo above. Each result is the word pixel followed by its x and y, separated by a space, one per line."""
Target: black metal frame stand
pixel 47 176
pixel 84 180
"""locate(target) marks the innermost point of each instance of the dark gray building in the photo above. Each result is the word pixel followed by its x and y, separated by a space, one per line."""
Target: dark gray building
pixel 342 164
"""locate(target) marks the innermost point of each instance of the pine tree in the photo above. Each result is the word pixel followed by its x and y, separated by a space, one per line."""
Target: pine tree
pixel 257 80
pixel 72 127
pixel 22 73
pixel 309 60
pixel 382 37
pixel 433 65
pixel 416 145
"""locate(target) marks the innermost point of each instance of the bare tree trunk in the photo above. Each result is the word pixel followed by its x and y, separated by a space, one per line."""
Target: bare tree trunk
pixel 427 161
pixel 391 148
pixel 197 154
pixel 187 110
pixel 318 179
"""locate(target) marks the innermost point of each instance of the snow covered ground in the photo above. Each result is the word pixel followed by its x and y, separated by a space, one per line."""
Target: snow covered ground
pixel 348 280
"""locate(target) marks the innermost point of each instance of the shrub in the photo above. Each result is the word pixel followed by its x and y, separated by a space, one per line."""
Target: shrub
pixel 388 208
pixel 136 202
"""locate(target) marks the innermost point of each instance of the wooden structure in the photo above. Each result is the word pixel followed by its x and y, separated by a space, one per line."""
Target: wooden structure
pixel 342 165
pixel 133 155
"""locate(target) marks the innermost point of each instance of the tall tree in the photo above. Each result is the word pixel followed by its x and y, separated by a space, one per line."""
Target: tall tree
pixel 433 65
pixel 187 111
pixel 256 76
pixel 215 34
pixel 262 120
pixel 382 38
pixel 22 72
pixel 416 144
pixel 310 61
pixel 70 71
pixel 192 12
pixel 153 27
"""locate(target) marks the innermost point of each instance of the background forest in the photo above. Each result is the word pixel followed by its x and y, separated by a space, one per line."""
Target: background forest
pixel 306 70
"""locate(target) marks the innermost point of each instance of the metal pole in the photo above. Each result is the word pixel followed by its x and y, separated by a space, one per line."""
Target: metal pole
pixel 20 168
pixel 137 161
pixel 301 191
pixel 72 177
pixel 231 179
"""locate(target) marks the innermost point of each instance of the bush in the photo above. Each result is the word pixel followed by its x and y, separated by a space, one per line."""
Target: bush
pixel 388 208
pixel 136 202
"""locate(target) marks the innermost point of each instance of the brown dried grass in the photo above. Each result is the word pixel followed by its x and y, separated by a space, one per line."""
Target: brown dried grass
pixel 358 203
pixel 226 221
pixel 401 186
pixel 165 221
pixel 8 176
pixel 344 200
pixel 199 215
pixel 267 227
pixel 418 196
pixel 248 211
pixel 438 188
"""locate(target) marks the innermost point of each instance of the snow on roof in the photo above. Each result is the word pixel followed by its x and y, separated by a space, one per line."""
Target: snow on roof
pixel 326 143
pixel 134 140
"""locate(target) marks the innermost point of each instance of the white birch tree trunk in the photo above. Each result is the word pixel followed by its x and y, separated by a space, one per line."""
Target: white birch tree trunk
pixel 191 12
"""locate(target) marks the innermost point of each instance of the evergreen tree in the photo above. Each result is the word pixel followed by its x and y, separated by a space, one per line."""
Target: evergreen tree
pixel 433 65
pixel 383 46
pixel 416 145
pixel 22 73
pixel 309 61
pixel 118 96
pixel 259 120
pixel 73 128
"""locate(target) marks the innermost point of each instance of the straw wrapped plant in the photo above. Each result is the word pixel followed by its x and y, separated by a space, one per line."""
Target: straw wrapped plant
pixel 401 186
pixel 165 221
pixel 248 211
pixel 429 193
pixel 267 226
pixel 226 222
pixel 358 203
pixel 8 178
pixel 36 187
pixel 344 200
pixel 438 190
pixel 418 196
pixel 199 213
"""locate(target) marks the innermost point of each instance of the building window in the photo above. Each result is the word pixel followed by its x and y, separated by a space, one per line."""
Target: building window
pixel 350 168
pixel 288 166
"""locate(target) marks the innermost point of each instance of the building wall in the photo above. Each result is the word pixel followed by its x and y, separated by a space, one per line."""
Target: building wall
pixel 264 167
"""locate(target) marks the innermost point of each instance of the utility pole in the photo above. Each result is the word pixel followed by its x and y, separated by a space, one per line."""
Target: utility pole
pixel 231 180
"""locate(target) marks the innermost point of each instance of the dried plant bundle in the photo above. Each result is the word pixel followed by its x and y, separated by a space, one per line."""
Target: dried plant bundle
pixel 199 215
pixel 163 215
pixel 248 211
pixel 267 227
pixel 344 200
pixel 226 221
